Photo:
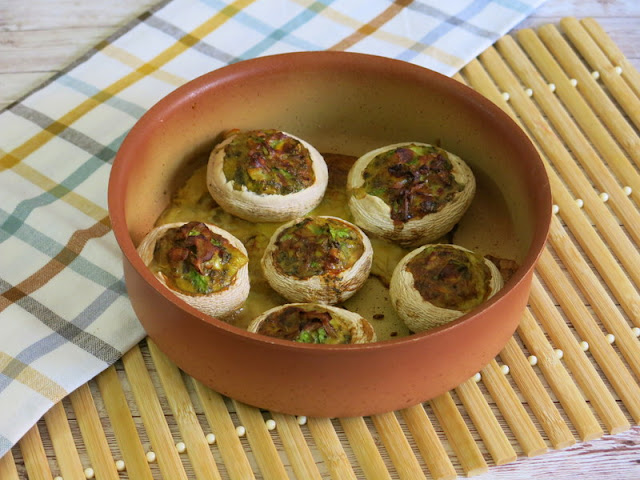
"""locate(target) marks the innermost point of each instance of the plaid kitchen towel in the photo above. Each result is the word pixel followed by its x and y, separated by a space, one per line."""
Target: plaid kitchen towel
pixel 64 313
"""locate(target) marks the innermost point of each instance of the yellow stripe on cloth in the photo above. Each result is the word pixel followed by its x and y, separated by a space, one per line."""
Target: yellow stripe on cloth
pixel 10 159
pixel 132 61
pixel 31 378
pixel 72 198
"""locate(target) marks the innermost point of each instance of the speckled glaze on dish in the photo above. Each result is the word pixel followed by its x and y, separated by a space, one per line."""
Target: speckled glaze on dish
pixel 339 102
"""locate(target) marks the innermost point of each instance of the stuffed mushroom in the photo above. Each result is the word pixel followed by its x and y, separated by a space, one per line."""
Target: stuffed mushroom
pixel 435 284
pixel 313 323
pixel 317 259
pixel 409 193
pixel 266 175
pixel 202 264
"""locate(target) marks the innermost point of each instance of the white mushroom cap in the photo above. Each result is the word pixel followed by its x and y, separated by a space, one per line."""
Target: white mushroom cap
pixel 269 207
pixel 416 312
pixel 327 288
pixel 361 329
pixel 374 215
pixel 216 304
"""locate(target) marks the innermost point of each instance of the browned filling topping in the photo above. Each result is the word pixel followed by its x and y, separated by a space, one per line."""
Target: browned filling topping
pixel 506 266
pixel 268 162
pixel 306 325
pixel 196 261
pixel 316 246
pixel 450 278
pixel 414 180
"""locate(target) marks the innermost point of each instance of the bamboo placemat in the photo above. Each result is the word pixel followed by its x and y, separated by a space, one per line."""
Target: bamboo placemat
pixel 571 373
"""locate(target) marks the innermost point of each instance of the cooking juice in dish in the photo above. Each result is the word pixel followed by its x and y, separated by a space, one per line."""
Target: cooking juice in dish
pixel 485 228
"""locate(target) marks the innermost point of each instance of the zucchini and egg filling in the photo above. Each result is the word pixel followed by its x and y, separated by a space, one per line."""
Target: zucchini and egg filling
pixel 410 193
pixel 266 175
pixel 313 323
pixel 202 264
pixel 436 284
pixel 317 259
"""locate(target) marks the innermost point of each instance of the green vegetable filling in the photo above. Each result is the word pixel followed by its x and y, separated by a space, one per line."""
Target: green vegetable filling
pixel 450 278
pixel 268 162
pixel 316 246
pixel 305 325
pixel 414 180
pixel 196 261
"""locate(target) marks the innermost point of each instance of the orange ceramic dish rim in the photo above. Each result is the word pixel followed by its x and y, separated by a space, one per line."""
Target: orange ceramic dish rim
pixel 119 178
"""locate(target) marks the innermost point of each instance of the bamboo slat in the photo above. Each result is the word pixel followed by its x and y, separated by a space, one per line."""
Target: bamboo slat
pixel 426 438
pixel 607 225
pixel 596 97
pixel 364 448
pixel 152 415
pixel 612 51
pixel 261 442
pixel 582 370
pixel 485 421
pixel 616 372
pixel 124 427
pixel 512 410
pixel 589 122
pixel 35 458
pixel 102 461
pixel 587 327
pixel 456 430
pixel 597 250
pixel 620 90
pixel 537 396
pixel 585 287
pixel 331 449
pixel 63 443
pixel 584 153
pixel 591 287
pixel 398 446
pixel 298 451
pixel 559 379
pixel 8 469
pixel 183 411
pixel 231 450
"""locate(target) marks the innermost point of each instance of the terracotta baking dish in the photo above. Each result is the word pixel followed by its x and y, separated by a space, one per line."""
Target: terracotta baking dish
pixel 343 103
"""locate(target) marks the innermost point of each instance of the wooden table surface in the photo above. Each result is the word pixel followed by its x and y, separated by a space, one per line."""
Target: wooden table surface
pixel 38 38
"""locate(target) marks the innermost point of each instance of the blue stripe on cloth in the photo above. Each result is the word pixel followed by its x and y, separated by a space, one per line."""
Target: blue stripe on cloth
pixel 25 207
pixel 50 247
pixel 135 111
pixel 273 35
pixel 5 444
pixel 61 335
pixel 445 27
pixel 436 13
pixel 515 5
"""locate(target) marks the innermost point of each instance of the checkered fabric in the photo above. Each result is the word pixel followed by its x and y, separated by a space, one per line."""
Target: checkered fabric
pixel 64 312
